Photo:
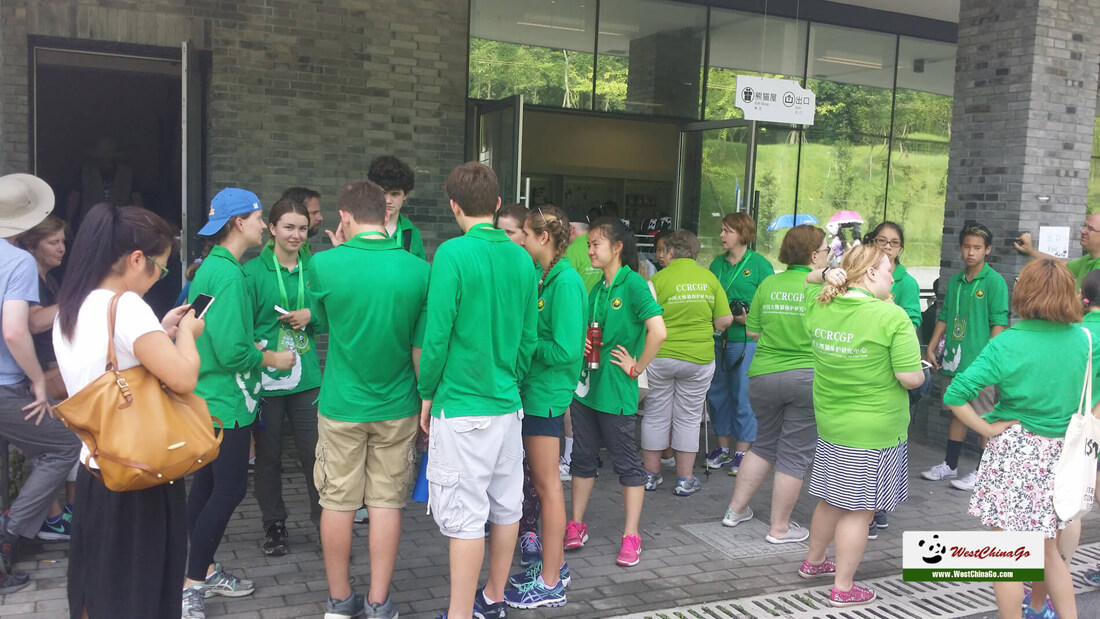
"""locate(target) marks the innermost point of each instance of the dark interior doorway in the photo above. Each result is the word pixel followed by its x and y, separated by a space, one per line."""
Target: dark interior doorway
pixel 107 128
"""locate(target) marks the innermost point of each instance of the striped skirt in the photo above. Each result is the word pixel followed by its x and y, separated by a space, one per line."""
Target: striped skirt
pixel 853 479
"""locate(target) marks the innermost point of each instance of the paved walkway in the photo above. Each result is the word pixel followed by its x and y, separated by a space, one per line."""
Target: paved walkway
pixel 677 567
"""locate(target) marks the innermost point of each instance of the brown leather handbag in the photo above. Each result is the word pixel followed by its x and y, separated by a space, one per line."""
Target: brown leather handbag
pixel 140 432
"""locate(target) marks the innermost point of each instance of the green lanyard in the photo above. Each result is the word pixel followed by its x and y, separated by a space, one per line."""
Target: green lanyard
pixel 861 291
pixel 486 226
pixel 363 235
pixel 737 270
pixel 282 286
pixel 960 295
pixel 607 303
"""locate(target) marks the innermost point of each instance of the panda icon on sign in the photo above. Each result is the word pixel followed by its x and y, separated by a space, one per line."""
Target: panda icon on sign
pixel 747 94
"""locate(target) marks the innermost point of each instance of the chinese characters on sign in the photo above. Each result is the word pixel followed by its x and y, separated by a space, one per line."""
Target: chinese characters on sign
pixel 775 100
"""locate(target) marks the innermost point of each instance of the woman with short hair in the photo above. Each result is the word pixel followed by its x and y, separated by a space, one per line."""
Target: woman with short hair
pixel 1015 486
pixel 781 387
pixel 695 306
pixel 740 270
pixel 866 356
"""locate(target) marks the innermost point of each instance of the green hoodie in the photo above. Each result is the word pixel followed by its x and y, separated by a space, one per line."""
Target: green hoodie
pixel 229 374
pixel 481 325
pixel 262 281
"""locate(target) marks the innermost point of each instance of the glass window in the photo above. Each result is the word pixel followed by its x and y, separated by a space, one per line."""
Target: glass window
pixel 776 172
pixel 650 57
pixel 840 174
pixel 542 49
pixel 750 44
pixel 852 74
pixel 926 83
pixel 918 191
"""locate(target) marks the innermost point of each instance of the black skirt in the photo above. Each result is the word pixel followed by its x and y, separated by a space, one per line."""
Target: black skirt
pixel 128 551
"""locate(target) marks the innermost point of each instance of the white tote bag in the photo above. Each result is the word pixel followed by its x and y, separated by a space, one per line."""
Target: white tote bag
pixel 1075 471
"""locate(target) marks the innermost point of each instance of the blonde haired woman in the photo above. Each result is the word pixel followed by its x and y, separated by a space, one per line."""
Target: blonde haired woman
pixel 866 356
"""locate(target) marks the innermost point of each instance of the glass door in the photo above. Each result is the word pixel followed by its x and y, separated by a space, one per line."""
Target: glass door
pixel 498 141
pixel 737 166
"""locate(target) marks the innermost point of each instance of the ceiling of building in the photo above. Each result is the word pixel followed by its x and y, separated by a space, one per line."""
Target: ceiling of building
pixel 943 10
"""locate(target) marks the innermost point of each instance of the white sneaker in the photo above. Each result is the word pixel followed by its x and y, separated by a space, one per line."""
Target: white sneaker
pixel 940 472
pixel 733 519
pixel 563 470
pixel 966 483
pixel 668 462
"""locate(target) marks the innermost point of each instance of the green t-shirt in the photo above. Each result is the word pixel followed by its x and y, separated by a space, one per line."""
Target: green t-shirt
pixel 405 228
pixel 778 314
pixel 621 312
pixel 1080 267
pixel 262 280
pixel 548 388
pixel 858 344
pixel 368 368
pixel 905 293
pixel 481 331
pixel 692 298
pixel 1038 368
pixel 229 373
pixel 577 252
pixel 1092 323
pixel 971 309
pixel 740 282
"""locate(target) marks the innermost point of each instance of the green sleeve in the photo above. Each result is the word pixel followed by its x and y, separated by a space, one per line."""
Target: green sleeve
pixel 417 246
pixel 530 338
pixel 908 299
pixel 229 327
pixel 564 345
pixel 998 302
pixel 252 287
pixel 418 331
pixel 752 320
pixel 904 347
pixel 721 302
pixel 643 300
pixel 941 316
pixel 983 371
pixel 442 309
pixel 315 295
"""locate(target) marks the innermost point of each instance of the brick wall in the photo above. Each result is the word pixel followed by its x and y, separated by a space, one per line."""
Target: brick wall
pixel 1025 99
pixel 300 92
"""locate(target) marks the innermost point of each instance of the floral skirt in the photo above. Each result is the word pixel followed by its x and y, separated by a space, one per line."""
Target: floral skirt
pixel 1015 487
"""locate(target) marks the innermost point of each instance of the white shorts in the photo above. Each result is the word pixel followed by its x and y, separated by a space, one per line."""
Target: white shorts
pixel 475 473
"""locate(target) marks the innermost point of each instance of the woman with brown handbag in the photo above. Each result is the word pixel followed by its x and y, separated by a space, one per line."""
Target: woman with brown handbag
pixel 128 549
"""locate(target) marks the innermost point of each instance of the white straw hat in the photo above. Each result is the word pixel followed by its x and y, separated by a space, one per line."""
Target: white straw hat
pixel 25 200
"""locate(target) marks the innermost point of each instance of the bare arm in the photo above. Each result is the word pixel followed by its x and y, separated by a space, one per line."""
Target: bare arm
pixel 416 360
pixel 42 318
pixel 910 380
pixel 930 352
pixel 723 322
pixel 996 330
pixel 175 364
pixel 1024 246
pixel 15 321
pixel 753 335
pixel 970 417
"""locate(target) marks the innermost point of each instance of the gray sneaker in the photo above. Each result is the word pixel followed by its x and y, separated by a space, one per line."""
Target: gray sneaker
pixel 652 480
pixel 342 609
pixel 385 610
pixel 194 603
pixel 687 487
pixel 225 584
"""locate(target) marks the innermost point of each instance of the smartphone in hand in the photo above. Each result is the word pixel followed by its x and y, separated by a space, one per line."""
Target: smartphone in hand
pixel 925 364
pixel 201 303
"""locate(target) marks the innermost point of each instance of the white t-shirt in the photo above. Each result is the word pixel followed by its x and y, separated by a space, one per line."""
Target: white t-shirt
pixel 84 358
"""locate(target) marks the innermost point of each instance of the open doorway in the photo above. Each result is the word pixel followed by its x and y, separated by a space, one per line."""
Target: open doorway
pixel 107 128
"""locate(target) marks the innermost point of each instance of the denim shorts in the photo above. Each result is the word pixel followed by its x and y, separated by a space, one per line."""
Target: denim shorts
pixel 543 426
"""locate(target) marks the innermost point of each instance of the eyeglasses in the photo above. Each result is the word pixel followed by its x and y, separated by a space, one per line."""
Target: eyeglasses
pixel 163 269
pixel 881 242
pixel 826 248
pixel 1088 228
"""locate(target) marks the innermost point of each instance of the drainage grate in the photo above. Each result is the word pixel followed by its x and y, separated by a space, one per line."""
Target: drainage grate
pixel 744 540
pixel 897 599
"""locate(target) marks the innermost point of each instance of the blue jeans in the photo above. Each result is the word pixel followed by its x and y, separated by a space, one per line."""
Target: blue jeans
pixel 728 396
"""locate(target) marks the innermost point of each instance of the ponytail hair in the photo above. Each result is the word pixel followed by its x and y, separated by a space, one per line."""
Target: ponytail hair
pixel 618 232
pixel 855 264
pixel 107 234
pixel 1090 290
pixel 553 221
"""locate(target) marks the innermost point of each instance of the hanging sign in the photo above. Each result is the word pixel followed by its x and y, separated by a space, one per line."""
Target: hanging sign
pixel 774 100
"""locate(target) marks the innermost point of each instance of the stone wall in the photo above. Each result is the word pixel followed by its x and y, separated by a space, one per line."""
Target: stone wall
pixel 300 92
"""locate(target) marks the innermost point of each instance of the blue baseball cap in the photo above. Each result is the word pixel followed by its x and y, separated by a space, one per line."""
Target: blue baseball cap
pixel 229 203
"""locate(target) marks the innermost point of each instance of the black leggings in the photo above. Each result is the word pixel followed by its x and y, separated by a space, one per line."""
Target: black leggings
pixel 532 505
pixel 216 491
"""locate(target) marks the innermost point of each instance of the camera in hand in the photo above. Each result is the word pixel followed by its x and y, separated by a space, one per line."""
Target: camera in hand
pixel 738 308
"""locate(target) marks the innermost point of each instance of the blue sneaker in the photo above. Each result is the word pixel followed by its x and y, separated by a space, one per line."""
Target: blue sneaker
pixel 59 529
pixel 530 549
pixel 718 458
pixel 1046 613
pixel 484 610
pixel 535 594
pixel 652 480
pixel 532 573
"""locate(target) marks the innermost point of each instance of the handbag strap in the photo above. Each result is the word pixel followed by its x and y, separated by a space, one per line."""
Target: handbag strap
pixel 1086 390
pixel 112 358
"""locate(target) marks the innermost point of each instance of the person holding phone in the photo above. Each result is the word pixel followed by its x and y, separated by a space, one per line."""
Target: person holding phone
pixel 276 282
pixel 628 319
pixel 229 381
pixel 128 549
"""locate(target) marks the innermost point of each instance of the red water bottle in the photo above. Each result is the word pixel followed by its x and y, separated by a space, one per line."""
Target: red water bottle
pixel 595 341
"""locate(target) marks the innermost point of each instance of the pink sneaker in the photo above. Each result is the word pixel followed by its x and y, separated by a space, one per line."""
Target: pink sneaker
pixel 809 570
pixel 576 534
pixel 853 597
pixel 630 553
